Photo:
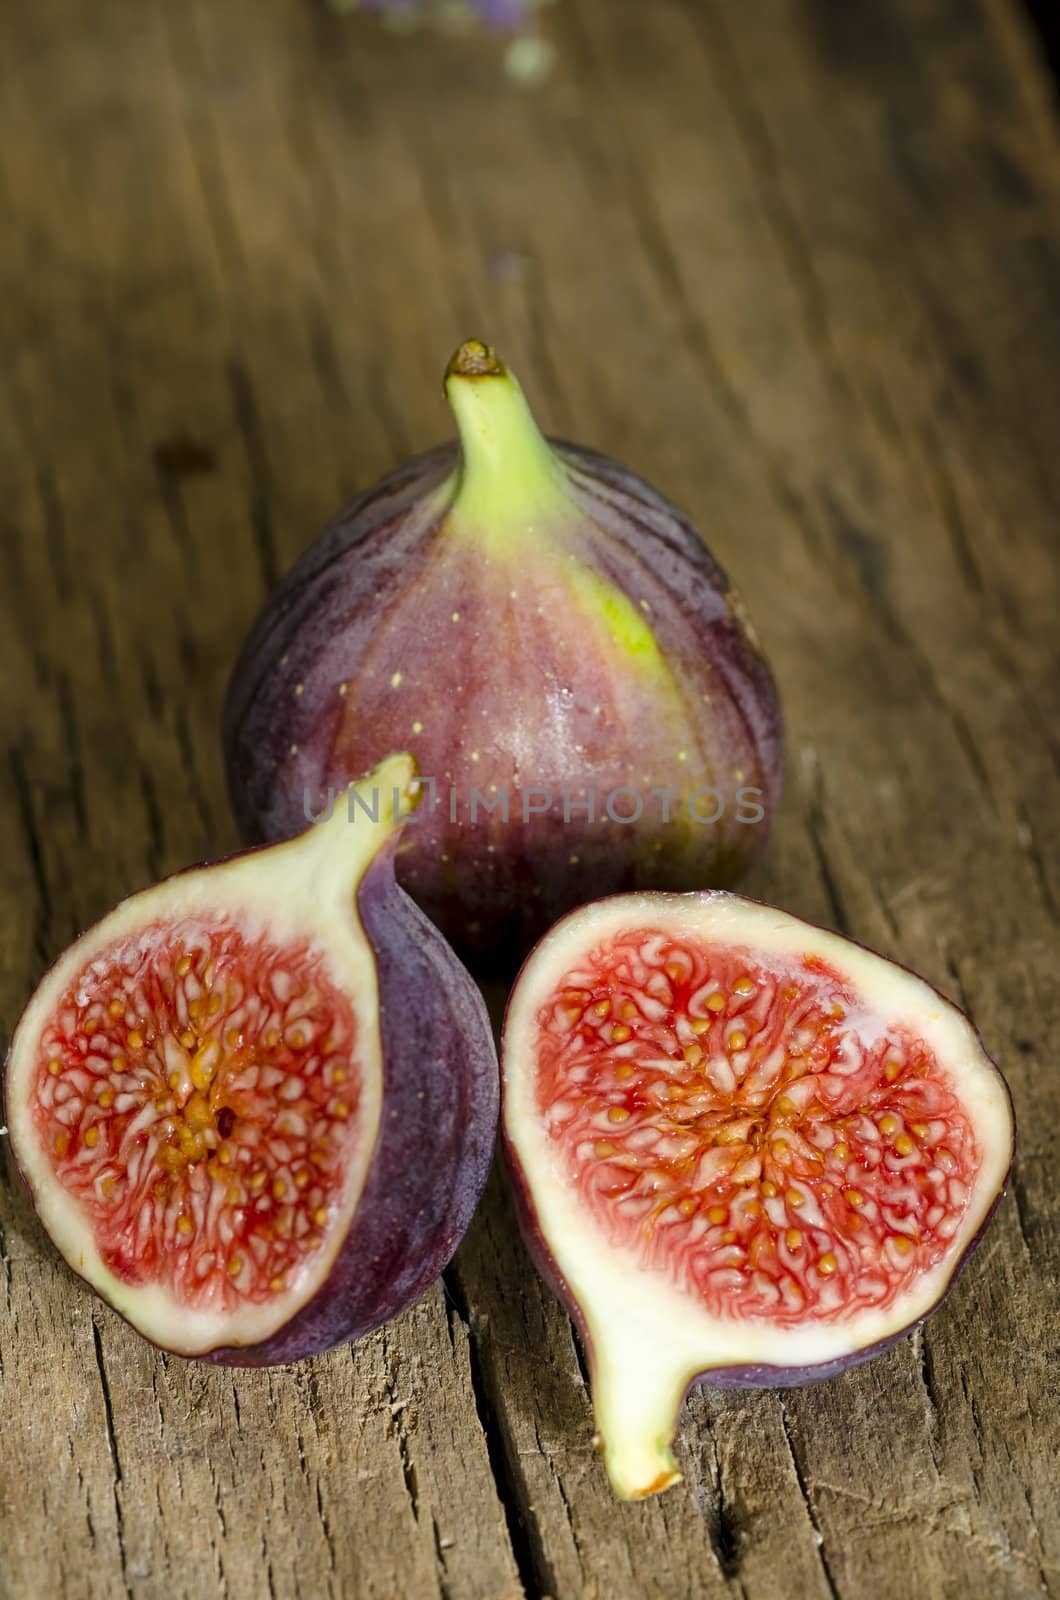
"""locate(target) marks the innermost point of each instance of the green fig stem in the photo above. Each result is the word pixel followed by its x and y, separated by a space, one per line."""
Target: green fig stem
pixel 509 475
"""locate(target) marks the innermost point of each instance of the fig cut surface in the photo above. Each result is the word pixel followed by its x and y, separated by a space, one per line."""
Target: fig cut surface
pixel 744 1150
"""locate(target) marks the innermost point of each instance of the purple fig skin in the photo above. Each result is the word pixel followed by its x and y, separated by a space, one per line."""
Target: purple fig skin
pixel 436 1135
pixel 758 1376
pixel 360 651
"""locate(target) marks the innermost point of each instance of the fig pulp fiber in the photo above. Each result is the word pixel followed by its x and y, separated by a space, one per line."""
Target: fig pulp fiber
pixel 560 651
pixel 745 1149
pixel 255 1105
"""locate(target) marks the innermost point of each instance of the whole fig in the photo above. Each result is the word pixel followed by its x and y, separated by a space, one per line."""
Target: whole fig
pixel 557 647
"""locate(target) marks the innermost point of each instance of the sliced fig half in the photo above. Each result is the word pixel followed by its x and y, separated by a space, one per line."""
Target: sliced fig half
pixel 744 1150
pixel 255 1105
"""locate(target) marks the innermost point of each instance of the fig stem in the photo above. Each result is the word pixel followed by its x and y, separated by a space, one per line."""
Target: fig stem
pixel 636 1397
pixel 509 475
pixel 475 360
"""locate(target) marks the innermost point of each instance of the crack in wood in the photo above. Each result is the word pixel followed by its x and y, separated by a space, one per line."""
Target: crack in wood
pixel 532 1567
pixel 808 1501
pixel 534 1576
pixel 112 1441
pixel 724 1527
pixel 922 1350
pixel 398 1428
pixel 1021 1207
pixel 216 1547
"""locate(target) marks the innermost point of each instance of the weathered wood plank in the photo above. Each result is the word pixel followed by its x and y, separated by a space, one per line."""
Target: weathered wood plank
pixel 797 262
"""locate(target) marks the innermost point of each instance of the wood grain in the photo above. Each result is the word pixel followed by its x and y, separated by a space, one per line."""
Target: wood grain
pixel 797 262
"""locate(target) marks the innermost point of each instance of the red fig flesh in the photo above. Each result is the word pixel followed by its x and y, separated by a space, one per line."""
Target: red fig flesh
pixel 745 1150
pixel 555 644
pixel 255 1105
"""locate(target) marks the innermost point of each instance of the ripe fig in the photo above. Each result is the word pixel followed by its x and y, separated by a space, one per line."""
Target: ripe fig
pixel 744 1150
pixel 255 1105
pixel 558 648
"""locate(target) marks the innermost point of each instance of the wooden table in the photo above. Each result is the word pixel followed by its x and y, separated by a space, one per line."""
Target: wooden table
pixel 798 262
